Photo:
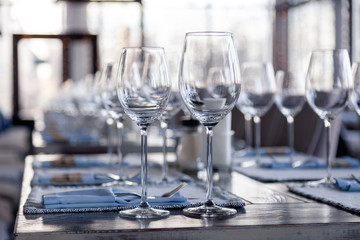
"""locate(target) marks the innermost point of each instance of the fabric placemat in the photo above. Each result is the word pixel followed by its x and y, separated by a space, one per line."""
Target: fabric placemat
pixel 342 199
pixel 314 170
pixel 195 192
pixel 76 176
pixel 84 160
pixel 96 175
pixel 289 175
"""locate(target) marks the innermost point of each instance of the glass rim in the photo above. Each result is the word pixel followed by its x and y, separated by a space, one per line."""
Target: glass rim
pixel 148 48
pixel 209 33
pixel 329 50
pixel 252 63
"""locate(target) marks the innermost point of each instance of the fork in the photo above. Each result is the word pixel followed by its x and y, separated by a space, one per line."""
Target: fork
pixel 164 195
pixel 355 178
pixel 117 177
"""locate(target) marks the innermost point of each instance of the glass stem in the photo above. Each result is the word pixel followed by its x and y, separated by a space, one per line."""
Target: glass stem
pixel 328 155
pixel 209 162
pixel 109 123
pixel 257 122
pixel 144 150
pixel 248 130
pixel 290 121
pixel 119 126
pixel 164 126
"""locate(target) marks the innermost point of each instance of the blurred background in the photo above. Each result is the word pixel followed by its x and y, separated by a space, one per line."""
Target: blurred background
pixel 44 43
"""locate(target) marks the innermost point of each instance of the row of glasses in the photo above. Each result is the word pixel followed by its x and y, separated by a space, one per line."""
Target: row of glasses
pixel 289 96
pixel 144 90
pixel 97 85
pixel 290 99
pixel 173 107
pixel 76 111
pixel 260 89
pixel 328 87
pixel 109 99
pixel 257 95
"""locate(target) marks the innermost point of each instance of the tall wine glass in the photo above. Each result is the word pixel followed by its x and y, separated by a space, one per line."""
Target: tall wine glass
pixel 209 99
pixel 328 86
pixel 257 94
pixel 112 104
pixel 172 108
pixel 248 126
pixel 143 90
pixel 104 112
pixel 355 96
pixel 290 98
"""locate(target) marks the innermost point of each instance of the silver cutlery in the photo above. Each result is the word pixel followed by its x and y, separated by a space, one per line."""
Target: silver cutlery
pixel 116 177
pixel 355 178
pixel 164 195
pixel 300 163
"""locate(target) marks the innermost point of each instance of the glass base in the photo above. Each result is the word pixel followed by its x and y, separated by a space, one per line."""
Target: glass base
pixel 325 182
pixel 250 164
pixel 167 180
pixel 144 212
pixel 209 210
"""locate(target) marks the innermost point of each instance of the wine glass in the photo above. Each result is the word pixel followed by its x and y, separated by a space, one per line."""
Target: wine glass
pixel 355 96
pixel 328 86
pixel 143 89
pixel 112 104
pixel 172 108
pixel 248 127
pixel 257 94
pixel 104 112
pixel 290 98
pixel 209 99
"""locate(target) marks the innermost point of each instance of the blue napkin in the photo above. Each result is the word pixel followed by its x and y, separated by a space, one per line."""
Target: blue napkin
pixel 347 185
pixel 71 178
pixel 82 198
pixel 346 162
pixel 104 197
pixel 67 136
pixel 276 165
pixel 307 162
pixel 76 161
pixel 267 151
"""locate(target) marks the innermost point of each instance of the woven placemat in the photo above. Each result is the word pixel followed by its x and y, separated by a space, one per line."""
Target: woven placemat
pixel 346 200
pixel 195 192
pixel 314 171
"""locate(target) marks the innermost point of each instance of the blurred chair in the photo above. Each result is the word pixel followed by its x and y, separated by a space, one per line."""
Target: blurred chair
pixel 67 40
pixel 309 131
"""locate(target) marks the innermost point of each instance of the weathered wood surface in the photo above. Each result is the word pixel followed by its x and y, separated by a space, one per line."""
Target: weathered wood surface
pixel 128 146
pixel 271 213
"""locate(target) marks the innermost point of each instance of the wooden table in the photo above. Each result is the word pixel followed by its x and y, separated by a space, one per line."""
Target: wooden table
pixel 40 146
pixel 271 213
